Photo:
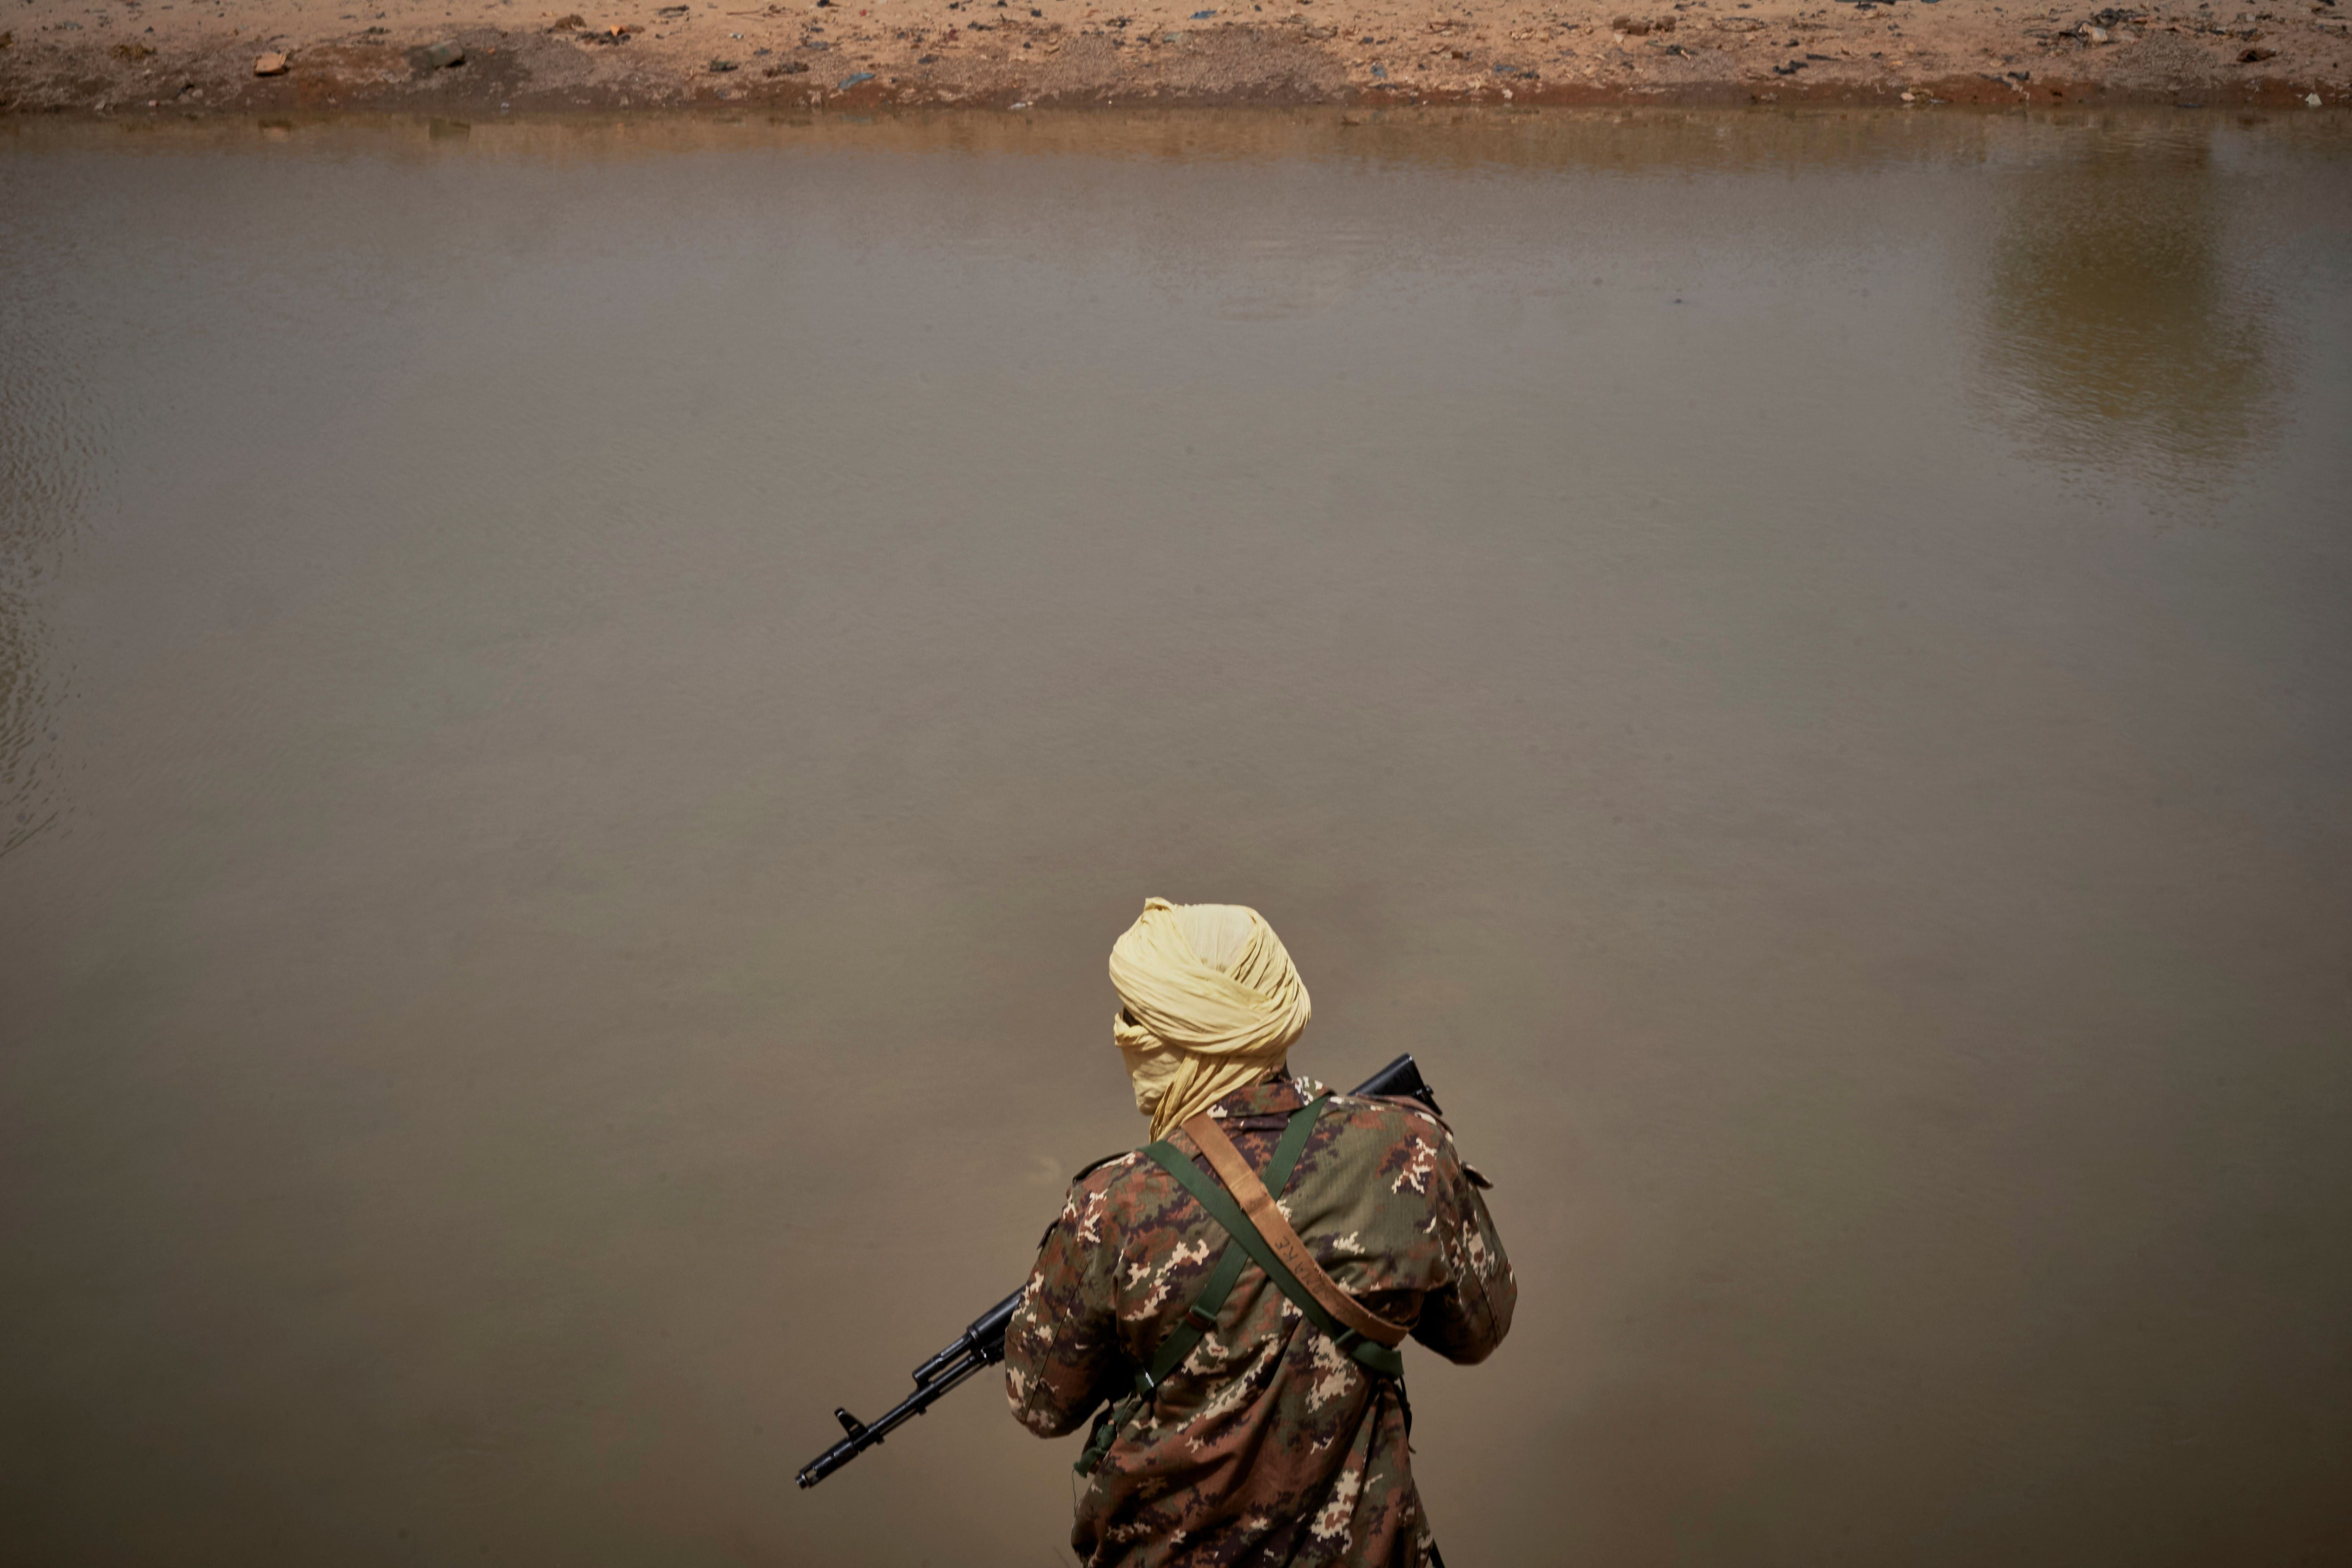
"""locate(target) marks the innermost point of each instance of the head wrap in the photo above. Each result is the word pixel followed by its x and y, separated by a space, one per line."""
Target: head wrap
pixel 1213 1004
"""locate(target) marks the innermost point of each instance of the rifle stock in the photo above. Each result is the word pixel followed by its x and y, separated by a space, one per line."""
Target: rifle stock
pixel 981 1345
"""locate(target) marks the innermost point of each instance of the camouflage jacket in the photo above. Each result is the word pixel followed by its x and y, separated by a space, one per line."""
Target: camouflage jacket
pixel 1267 1446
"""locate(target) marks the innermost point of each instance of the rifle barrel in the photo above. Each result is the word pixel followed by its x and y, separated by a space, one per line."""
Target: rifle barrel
pixel 986 1331
pixel 863 1436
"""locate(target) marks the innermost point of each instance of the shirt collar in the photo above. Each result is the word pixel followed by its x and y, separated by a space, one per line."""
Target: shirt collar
pixel 1277 1096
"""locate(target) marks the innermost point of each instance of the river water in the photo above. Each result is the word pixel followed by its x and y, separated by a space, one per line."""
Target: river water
pixel 584 703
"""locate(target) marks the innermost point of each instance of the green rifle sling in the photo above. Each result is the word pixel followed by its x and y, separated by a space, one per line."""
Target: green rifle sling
pixel 1385 1360
pixel 1202 1315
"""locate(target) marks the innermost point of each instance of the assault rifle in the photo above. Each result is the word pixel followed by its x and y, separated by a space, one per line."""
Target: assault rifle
pixel 981 1345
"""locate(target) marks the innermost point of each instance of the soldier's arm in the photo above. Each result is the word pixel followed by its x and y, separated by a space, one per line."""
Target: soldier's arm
pixel 1465 1319
pixel 1062 1347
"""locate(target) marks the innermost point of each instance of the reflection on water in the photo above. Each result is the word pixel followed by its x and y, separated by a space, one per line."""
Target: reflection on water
pixel 48 452
pixel 2120 333
pixel 626 676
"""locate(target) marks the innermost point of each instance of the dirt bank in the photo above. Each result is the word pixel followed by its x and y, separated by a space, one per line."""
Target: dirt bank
pixel 491 57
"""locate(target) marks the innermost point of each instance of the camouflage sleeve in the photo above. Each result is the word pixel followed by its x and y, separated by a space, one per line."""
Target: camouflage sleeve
pixel 1062 1347
pixel 1467 1317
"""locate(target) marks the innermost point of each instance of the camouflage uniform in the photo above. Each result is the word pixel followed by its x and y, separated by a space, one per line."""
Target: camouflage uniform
pixel 1267 1446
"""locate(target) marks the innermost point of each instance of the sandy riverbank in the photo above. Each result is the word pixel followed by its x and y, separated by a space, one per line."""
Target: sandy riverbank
pixel 143 57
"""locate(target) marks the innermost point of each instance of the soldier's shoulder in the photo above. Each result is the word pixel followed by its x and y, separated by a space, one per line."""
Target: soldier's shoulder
pixel 1403 1142
pixel 1096 1197
pixel 1108 1171
pixel 1383 1123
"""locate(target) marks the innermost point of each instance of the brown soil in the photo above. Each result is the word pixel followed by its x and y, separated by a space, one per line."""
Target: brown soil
pixel 147 56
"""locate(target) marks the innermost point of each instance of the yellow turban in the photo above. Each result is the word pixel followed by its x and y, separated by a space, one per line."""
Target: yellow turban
pixel 1214 1005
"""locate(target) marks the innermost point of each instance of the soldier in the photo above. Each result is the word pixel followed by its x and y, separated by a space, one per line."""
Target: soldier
pixel 1257 1416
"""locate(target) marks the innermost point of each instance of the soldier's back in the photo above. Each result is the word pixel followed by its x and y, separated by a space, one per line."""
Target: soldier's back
pixel 1268 1445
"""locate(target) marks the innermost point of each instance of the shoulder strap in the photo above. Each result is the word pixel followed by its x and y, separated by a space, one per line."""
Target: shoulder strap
pixel 1275 1228
pixel 1372 1353
pixel 1202 1315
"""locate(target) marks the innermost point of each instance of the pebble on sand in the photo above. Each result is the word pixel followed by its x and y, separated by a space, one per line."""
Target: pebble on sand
pixel 272 64
pixel 442 54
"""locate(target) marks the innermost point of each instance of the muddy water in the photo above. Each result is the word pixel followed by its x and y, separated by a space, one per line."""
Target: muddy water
pixel 583 704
